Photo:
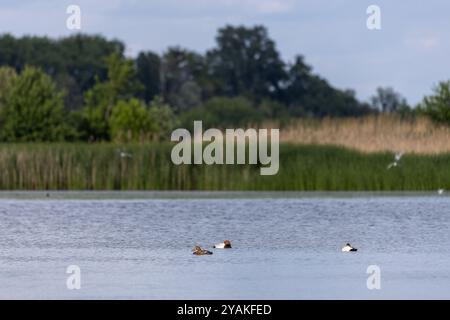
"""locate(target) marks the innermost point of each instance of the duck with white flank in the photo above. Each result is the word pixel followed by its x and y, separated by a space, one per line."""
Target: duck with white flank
pixel 224 245
pixel 198 251
pixel 348 248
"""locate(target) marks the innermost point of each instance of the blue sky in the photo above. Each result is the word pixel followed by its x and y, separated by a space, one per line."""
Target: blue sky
pixel 409 53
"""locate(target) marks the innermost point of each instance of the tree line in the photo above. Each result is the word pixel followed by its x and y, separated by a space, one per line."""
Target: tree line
pixel 84 88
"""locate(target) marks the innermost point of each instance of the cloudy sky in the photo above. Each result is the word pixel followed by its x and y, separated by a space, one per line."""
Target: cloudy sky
pixel 410 53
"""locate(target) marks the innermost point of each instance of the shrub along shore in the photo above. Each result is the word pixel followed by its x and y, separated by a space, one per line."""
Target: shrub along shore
pixel 82 166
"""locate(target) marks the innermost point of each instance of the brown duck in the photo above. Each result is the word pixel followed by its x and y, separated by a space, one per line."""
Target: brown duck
pixel 198 251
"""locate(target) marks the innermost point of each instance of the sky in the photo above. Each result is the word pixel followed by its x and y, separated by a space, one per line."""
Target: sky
pixel 409 53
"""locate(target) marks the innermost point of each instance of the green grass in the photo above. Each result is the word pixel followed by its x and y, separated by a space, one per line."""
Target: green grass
pixel 310 167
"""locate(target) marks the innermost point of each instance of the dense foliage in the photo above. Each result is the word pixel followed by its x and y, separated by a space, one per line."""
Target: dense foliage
pixel 84 88
pixel 437 105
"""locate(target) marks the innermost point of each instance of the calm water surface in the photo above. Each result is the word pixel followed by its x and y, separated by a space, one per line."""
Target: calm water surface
pixel 285 246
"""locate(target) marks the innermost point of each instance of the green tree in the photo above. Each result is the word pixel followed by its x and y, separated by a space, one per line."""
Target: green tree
pixel 437 105
pixel 33 110
pixel 387 100
pixel 83 60
pixel 246 62
pixel 307 94
pixel 130 121
pixel 73 62
pixel 182 78
pixel 121 84
pixel 8 77
pixel 148 65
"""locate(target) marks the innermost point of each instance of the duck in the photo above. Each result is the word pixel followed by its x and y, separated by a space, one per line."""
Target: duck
pixel 441 191
pixel 226 244
pixel 348 248
pixel 198 251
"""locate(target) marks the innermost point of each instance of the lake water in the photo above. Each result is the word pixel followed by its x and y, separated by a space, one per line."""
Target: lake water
pixel 285 245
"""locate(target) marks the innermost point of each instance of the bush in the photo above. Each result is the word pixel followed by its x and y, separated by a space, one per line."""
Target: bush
pixel 33 109
pixel 162 114
pixel 130 121
pixel 223 112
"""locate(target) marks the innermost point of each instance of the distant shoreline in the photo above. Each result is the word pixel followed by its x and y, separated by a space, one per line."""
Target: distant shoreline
pixel 138 195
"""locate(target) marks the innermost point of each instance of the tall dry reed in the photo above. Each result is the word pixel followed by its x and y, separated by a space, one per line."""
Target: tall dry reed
pixel 372 134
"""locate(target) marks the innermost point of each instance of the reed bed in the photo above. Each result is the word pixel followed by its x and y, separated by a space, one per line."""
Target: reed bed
pixel 372 134
pixel 302 167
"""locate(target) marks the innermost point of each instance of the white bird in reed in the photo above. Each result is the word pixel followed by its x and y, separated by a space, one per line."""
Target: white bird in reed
pixel 397 158
pixel 124 154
